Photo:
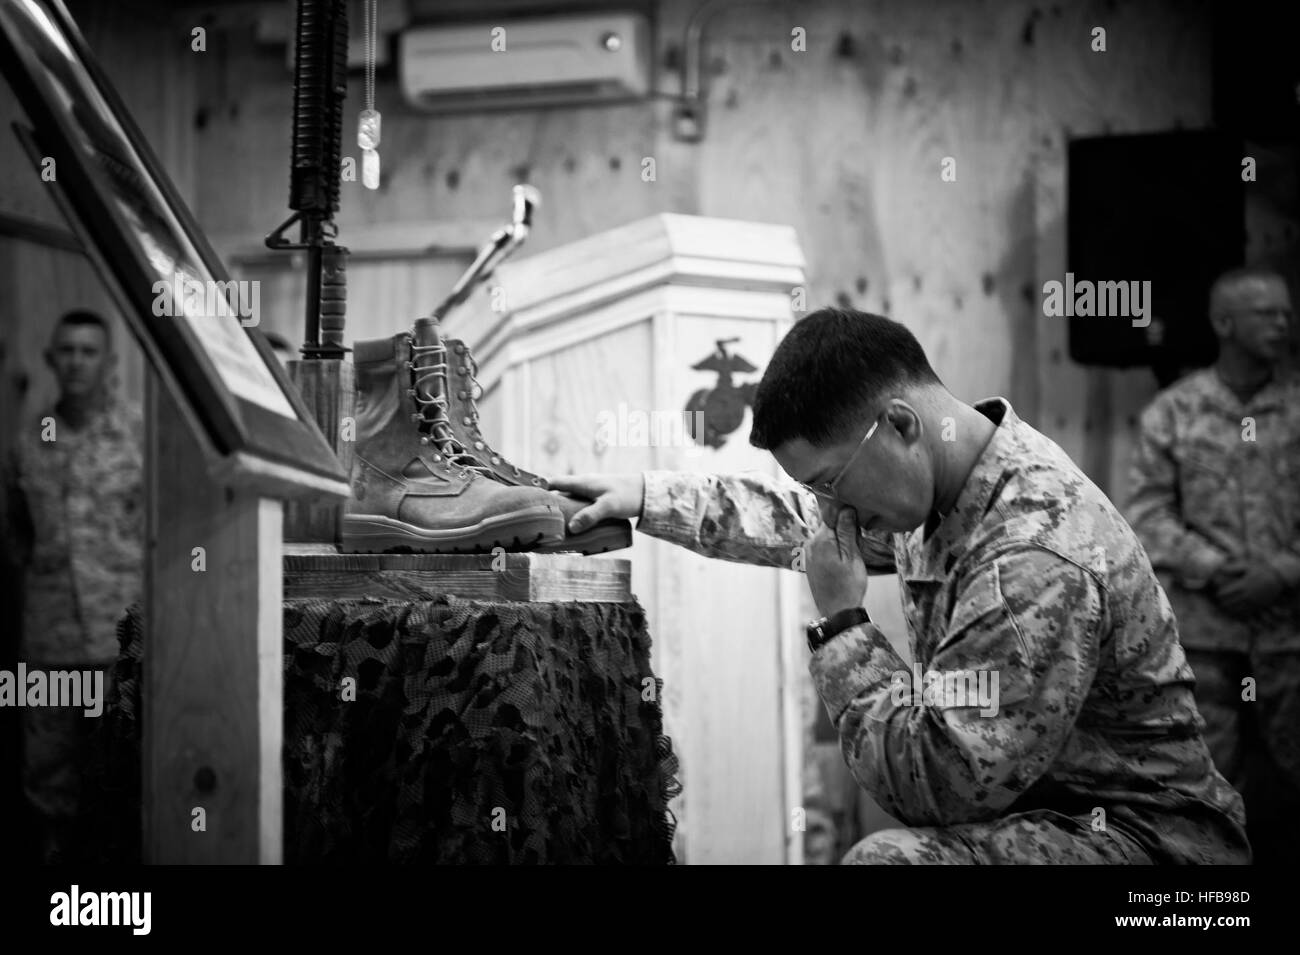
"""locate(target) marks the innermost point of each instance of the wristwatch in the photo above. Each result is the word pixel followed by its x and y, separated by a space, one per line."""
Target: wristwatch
pixel 822 630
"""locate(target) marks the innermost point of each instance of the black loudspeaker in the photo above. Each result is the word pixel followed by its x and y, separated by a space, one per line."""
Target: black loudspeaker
pixel 1166 209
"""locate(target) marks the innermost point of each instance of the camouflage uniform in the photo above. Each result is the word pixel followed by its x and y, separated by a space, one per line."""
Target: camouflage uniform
pixel 1095 752
pixel 1205 490
pixel 75 525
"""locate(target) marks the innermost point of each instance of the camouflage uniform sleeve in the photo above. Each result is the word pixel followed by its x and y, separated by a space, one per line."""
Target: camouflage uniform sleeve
pixel 749 518
pixel 1153 506
pixel 1030 620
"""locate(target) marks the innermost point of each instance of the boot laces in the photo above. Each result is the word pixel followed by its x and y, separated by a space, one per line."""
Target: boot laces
pixel 476 392
pixel 435 411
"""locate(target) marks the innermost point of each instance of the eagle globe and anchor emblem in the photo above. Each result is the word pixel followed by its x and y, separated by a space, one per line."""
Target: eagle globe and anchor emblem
pixel 714 413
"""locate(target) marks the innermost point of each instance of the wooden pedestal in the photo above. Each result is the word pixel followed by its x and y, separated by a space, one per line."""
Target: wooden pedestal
pixel 318 573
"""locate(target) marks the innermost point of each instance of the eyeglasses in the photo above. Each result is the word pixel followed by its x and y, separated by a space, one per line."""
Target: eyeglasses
pixel 827 490
pixel 1274 312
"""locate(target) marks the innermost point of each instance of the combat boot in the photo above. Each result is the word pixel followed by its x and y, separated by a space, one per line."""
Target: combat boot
pixel 452 361
pixel 413 487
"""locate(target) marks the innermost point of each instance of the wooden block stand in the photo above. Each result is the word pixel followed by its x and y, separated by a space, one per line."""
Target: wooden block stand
pixel 316 572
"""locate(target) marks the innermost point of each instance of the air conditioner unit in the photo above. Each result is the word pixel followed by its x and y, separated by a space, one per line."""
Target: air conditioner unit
pixel 507 64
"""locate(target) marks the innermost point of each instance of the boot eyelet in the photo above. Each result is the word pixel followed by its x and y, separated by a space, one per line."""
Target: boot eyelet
pixel 468 421
pixel 478 445
pixel 460 395
pixel 463 370
pixel 460 349
pixel 496 460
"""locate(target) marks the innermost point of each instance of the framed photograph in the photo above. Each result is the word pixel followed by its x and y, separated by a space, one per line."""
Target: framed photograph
pixel 198 327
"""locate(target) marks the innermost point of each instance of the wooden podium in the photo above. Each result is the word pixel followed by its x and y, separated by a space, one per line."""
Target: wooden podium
pixel 585 353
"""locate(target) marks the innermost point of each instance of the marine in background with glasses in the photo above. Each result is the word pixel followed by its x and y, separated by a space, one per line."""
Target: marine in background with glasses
pixel 1215 498
pixel 1010 561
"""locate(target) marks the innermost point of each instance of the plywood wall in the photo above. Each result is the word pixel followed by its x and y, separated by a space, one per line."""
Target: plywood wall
pixel 844 141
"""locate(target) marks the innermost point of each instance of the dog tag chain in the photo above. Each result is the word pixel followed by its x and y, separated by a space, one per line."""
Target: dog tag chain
pixel 368 128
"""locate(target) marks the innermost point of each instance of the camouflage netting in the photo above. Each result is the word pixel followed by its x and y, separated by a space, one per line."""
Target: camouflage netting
pixel 462 708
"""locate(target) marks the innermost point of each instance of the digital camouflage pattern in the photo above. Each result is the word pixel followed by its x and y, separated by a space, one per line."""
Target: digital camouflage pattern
pixel 1033 576
pixel 1041 837
pixel 76 524
pixel 1214 479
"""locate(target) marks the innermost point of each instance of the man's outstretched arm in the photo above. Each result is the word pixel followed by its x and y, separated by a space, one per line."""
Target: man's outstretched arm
pixel 749 517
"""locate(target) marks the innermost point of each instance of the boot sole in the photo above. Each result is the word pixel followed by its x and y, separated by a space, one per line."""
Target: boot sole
pixel 601 539
pixel 517 530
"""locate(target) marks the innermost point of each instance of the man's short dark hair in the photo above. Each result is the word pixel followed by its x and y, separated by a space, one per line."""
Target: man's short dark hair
pixel 1232 278
pixel 830 368
pixel 82 316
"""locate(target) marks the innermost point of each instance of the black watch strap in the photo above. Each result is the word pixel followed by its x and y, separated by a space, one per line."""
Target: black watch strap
pixel 821 631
